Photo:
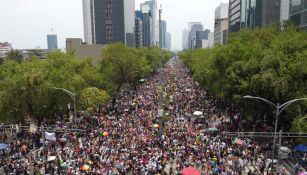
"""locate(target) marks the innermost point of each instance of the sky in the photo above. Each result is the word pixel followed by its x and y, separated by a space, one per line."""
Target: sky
pixel 25 23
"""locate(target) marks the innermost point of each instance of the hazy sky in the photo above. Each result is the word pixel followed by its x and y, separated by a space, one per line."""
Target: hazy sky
pixel 25 23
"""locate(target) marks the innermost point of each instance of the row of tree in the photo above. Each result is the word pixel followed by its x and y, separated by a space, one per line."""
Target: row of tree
pixel 265 62
pixel 28 88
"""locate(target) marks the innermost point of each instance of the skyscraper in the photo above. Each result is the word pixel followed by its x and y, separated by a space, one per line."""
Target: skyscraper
pixel 154 31
pixel 107 21
pixel 221 23
pixel 234 15
pixel 200 36
pixel 298 12
pixel 193 28
pixel 146 25
pixel 256 13
pixel 163 25
pixel 138 29
pixel 284 10
pixel 52 42
pixel 168 41
pixel 185 36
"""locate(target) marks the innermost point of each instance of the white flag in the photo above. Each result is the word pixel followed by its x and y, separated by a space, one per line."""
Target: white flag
pixel 50 136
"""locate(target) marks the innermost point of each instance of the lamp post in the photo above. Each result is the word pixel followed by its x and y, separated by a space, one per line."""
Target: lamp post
pixel 73 96
pixel 278 109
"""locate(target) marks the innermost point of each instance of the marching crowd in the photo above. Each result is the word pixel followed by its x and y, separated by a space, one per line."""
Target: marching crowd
pixel 125 139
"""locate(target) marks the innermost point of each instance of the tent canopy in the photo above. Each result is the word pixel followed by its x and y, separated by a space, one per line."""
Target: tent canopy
pixel 301 148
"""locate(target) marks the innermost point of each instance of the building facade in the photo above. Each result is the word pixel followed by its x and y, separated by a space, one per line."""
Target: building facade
pixel 52 42
pixel 284 10
pixel 146 25
pixel 298 13
pixel 108 21
pixel 221 22
pixel 5 48
pixel 200 36
pixel 211 39
pixel 138 29
pixel 185 37
pixel 256 13
pixel 193 28
pixel 234 17
pixel 168 41
pixel 154 31
pixel 84 50
pixel 163 33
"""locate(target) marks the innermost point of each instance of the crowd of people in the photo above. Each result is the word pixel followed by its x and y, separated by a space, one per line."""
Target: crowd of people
pixel 125 138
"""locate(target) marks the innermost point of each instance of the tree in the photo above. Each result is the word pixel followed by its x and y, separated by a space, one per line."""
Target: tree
pixel 15 55
pixel 266 62
pixel 299 124
pixel 91 99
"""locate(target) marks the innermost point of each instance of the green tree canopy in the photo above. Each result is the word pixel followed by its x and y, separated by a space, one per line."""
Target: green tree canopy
pixel 265 62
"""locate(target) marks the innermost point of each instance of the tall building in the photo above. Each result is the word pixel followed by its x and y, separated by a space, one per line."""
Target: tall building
pixel 200 36
pixel 193 28
pixel 211 39
pixel 234 15
pixel 256 13
pixel 138 29
pixel 298 13
pixel 185 37
pixel 52 42
pixel 107 21
pixel 154 31
pixel 221 22
pixel 284 10
pixel 5 48
pixel 146 25
pixel 163 32
pixel 168 41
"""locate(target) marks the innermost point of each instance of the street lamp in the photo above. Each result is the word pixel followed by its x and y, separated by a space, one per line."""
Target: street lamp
pixel 73 96
pixel 279 109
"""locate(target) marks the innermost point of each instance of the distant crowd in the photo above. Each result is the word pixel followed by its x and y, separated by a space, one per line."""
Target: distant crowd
pixel 124 138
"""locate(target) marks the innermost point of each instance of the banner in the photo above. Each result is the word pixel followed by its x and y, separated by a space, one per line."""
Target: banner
pixel 50 136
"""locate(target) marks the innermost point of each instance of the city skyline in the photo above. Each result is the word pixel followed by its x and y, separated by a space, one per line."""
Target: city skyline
pixel 36 18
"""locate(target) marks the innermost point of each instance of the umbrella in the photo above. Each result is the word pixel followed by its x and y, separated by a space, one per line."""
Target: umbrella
pixel 301 148
pixel 213 129
pixel 3 146
pixel 303 173
pixel 85 167
pixel 51 158
pixel 190 171
pixel 197 113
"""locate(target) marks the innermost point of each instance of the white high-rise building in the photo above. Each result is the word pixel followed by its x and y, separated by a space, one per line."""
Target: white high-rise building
pixel 185 37
pixel 210 39
pixel 221 23
pixel 284 10
pixel 168 41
